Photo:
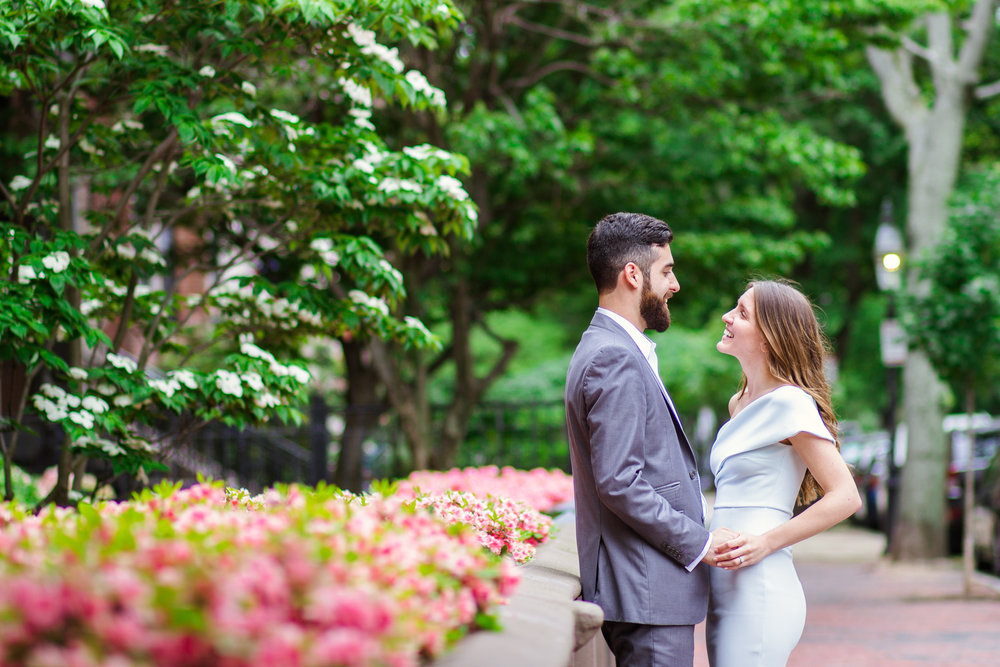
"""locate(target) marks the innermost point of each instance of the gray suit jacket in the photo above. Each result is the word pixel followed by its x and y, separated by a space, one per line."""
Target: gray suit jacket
pixel 639 514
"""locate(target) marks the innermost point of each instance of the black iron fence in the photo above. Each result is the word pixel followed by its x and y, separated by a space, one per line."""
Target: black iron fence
pixel 520 434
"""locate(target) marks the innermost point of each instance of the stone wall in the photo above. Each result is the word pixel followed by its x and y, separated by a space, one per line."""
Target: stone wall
pixel 544 624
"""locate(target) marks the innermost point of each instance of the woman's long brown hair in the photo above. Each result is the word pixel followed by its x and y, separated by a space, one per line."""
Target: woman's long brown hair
pixel 796 349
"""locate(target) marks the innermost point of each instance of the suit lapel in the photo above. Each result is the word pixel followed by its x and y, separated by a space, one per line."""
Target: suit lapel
pixel 602 321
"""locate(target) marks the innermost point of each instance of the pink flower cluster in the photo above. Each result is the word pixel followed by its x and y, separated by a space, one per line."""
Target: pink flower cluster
pixel 541 489
pixel 209 576
pixel 505 527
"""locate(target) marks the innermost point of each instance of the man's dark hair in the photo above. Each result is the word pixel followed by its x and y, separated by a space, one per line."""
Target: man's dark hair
pixel 621 238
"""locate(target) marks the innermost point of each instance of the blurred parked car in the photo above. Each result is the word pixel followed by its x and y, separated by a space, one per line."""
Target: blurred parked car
pixel 868 456
pixel 982 456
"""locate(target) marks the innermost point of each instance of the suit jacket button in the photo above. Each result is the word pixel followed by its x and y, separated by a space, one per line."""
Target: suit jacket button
pixel 693 474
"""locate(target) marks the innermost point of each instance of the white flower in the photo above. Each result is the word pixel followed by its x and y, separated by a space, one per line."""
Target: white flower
pixel 443 11
pixel 372 302
pixel 285 117
pixel 391 270
pixel 227 163
pixel 452 187
pixel 151 256
pixel 362 118
pixel 324 247
pixel 52 391
pixel 358 93
pixel 185 377
pixel 122 362
pixel 125 250
pixel 413 323
pixel 252 350
pixel 300 374
pixel 363 38
pixel 266 400
pixel 253 380
pixel 77 373
pixel 53 412
pixel 233 117
pixel 52 142
pixel 83 418
pixel 321 245
pixel 166 387
pixel 95 404
pixel 421 152
pixel 228 383
pixel 249 88
pixel 207 71
pixel 391 185
pixel 267 243
pixel 19 183
pixel 122 401
pixel 26 274
pixel 364 166
pixel 57 261
pixel 366 40
pixel 417 79
pixel 156 49
pixel 96 4
pixel 90 306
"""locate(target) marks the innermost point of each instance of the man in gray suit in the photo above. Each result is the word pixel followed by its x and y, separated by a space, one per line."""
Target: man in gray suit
pixel 640 513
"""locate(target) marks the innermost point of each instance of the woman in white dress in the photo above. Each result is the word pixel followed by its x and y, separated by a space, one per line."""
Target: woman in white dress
pixel 779 445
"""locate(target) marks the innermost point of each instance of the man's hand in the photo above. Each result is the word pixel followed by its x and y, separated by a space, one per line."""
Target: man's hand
pixel 720 537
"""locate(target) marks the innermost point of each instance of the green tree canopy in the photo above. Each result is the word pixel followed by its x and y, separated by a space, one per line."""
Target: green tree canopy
pixel 163 198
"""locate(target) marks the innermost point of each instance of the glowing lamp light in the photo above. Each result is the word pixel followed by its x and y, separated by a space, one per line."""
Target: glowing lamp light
pixel 892 261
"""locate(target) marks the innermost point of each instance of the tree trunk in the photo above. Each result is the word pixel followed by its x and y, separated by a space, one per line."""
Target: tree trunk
pixel 919 531
pixel 68 222
pixel 360 417
pixel 409 401
pixel 934 137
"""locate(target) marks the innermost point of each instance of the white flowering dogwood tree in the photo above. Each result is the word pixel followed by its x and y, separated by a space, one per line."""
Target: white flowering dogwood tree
pixel 177 216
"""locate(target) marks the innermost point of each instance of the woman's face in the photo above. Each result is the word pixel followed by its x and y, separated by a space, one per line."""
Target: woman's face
pixel 741 337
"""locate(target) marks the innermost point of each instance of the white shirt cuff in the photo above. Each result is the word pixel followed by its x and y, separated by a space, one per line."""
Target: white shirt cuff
pixel 693 564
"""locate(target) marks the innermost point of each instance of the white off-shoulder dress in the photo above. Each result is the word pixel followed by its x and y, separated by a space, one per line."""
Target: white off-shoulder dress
pixel 756 613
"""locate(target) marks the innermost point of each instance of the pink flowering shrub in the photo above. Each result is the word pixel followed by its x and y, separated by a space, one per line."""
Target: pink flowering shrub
pixel 505 527
pixel 541 489
pixel 209 576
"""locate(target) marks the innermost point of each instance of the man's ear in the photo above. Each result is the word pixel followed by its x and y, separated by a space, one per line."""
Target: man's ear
pixel 632 275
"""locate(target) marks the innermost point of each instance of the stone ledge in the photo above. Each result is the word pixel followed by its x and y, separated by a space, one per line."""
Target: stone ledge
pixel 544 623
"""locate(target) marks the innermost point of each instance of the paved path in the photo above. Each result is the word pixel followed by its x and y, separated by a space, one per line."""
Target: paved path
pixel 866 611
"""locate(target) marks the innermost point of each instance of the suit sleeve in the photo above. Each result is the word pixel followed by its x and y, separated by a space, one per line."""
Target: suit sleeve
pixel 617 404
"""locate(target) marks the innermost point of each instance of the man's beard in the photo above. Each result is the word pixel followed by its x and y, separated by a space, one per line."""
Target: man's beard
pixel 653 310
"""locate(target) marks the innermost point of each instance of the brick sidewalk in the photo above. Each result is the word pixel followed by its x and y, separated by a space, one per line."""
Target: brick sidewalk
pixel 864 610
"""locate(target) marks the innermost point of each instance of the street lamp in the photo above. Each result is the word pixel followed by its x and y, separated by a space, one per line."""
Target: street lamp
pixel 888 255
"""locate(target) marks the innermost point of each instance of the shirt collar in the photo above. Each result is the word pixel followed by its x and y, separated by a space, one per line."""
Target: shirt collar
pixel 642 341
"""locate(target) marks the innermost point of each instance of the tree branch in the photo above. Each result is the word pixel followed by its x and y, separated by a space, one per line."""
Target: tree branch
pixel 564 35
pixel 986 91
pixel 165 147
pixel 899 89
pixel 979 26
pixel 559 66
